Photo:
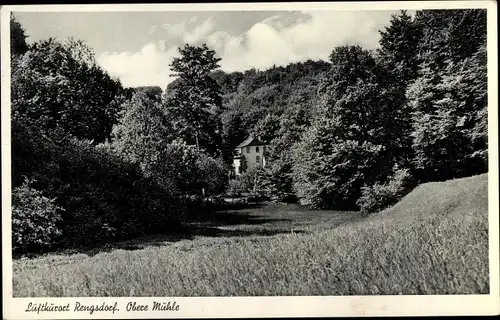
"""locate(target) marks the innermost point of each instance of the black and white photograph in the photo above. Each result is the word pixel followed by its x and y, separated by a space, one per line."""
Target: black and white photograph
pixel 302 157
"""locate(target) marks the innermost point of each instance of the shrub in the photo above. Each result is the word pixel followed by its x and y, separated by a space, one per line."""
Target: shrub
pixel 110 198
pixel 236 187
pixel 380 196
pixel 212 174
pixel 104 197
pixel 254 181
pixel 278 180
pixel 35 219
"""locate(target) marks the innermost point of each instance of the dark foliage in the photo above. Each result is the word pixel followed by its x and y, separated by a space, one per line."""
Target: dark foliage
pixel 35 219
pixel 59 85
pixel 102 196
pixel 153 92
pixel 18 44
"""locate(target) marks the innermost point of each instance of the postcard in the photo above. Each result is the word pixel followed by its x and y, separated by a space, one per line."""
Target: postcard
pixel 250 160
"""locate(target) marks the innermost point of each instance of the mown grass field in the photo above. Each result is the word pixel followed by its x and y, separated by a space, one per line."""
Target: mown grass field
pixel 434 241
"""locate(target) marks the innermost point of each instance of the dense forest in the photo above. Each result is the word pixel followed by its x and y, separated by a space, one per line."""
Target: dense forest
pixel 94 161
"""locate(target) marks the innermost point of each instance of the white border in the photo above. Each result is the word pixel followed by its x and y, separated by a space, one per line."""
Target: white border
pixel 224 307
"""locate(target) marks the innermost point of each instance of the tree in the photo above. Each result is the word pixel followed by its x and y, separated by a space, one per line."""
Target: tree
pixel 349 144
pixel 252 181
pixel 212 174
pixel 450 34
pixel 145 136
pixel 228 82
pixel 58 85
pixel 398 65
pixel 329 168
pixel 449 112
pixel 196 99
pixel 143 130
pixel 448 99
pixel 154 92
pixel 398 45
pixel 267 128
pixel 292 124
pixel 476 75
pixel 18 45
pixel 233 133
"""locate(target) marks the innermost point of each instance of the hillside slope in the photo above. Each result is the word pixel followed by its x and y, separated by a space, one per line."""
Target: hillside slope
pixel 434 241
pixel 453 197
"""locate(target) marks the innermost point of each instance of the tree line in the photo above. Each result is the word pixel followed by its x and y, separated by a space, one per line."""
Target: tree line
pixel 94 161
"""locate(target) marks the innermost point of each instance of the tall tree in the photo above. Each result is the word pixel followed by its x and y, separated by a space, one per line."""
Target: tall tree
pixel 398 45
pixel 450 34
pixel 350 143
pixel 292 124
pixel 18 44
pixel 448 99
pixel 450 114
pixel 143 130
pixel 195 101
pixel 58 85
pixel 398 65
pixel 144 136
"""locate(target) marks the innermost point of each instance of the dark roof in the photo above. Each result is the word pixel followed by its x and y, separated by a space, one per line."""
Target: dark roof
pixel 250 141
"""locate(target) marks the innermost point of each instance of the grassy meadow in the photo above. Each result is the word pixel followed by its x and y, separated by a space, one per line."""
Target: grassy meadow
pixel 434 241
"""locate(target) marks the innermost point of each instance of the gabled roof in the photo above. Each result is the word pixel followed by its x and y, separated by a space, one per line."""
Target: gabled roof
pixel 251 141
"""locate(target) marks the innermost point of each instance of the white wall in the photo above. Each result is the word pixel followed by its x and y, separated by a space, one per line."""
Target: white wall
pixel 251 157
pixel 236 165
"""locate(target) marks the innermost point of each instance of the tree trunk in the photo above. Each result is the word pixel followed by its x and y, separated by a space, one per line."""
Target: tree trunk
pixel 197 141
pixel 198 149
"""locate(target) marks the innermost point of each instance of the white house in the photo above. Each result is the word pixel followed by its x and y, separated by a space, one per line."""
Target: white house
pixel 248 155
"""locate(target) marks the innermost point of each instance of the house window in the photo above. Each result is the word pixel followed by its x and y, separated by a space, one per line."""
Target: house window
pixel 257 149
pixel 257 158
pixel 248 149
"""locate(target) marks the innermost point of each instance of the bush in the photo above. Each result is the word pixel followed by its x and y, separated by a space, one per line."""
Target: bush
pixel 380 196
pixel 236 187
pixel 252 181
pixel 104 197
pixel 35 219
pixel 279 181
pixel 212 174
